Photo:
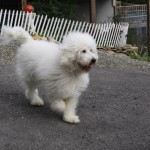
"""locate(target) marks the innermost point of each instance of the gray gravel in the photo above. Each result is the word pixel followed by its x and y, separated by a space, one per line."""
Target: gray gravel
pixel 107 59
pixel 8 52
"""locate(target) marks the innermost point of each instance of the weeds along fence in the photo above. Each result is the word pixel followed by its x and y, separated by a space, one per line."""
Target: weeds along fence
pixel 105 34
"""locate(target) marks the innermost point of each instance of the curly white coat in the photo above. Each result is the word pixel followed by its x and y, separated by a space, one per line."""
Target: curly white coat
pixel 63 68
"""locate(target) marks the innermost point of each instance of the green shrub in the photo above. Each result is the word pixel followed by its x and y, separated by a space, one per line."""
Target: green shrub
pixel 55 8
pixel 135 55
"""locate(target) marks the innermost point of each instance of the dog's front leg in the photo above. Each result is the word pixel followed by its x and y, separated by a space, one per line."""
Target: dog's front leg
pixel 70 111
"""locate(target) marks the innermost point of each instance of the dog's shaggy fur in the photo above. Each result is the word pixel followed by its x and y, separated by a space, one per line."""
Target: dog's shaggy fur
pixel 63 68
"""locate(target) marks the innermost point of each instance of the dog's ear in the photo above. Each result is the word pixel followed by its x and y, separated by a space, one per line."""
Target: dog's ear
pixel 68 57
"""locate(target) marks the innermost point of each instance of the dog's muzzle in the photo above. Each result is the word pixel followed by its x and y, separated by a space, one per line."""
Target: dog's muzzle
pixel 88 67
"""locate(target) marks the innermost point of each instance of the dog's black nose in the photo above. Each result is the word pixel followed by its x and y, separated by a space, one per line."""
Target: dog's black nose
pixel 93 60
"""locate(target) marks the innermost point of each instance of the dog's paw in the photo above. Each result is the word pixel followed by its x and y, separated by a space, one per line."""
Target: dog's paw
pixel 37 102
pixel 71 118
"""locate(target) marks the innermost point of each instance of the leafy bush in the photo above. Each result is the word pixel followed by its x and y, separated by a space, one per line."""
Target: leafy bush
pixel 135 55
pixel 55 8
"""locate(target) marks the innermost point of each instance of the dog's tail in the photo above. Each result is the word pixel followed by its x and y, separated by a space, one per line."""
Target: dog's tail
pixel 16 33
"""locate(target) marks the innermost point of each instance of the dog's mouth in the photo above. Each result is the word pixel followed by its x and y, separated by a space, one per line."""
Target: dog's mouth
pixel 86 67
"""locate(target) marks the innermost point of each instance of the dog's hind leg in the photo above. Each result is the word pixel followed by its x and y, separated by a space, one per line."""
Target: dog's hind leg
pixel 31 93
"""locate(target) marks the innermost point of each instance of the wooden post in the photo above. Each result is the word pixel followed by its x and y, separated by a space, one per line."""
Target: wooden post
pixel 148 26
pixel 93 11
pixel 114 7
pixel 23 2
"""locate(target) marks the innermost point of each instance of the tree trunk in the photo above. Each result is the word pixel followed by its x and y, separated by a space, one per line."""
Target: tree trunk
pixel 93 11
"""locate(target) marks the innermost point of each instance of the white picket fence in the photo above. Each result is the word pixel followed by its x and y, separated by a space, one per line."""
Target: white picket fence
pixel 105 34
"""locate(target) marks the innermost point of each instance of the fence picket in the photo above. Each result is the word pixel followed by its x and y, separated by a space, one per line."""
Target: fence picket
pixel 89 28
pixel 63 30
pixel 48 34
pixel 97 32
pixel 118 34
pixel 39 24
pixel 75 26
pixel 38 17
pixel 83 25
pixel 26 20
pixel 59 29
pixel 8 20
pixel 32 27
pixel 111 34
pixel 43 25
pixel 92 28
pixel 86 27
pixel 94 32
pixel 56 28
pixel 16 16
pixel 115 33
pixel 68 27
pixel 79 26
pixel 22 19
pixel 105 34
pixel 3 21
pixel 19 18
pixel 100 35
pixel 53 27
pixel 29 22
pixel 46 27
pixel 72 26
pixel 1 15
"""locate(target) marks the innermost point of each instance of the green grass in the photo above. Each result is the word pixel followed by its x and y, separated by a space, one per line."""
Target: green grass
pixel 135 55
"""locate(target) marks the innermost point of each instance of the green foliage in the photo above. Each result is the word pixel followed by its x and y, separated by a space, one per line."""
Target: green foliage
pixel 135 55
pixel 135 1
pixel 55 8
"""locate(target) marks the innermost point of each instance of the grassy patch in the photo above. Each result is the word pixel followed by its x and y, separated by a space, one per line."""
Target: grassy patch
pixel 135 55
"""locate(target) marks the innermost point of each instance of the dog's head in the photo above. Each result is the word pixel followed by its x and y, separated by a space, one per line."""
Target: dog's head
pixel 79 50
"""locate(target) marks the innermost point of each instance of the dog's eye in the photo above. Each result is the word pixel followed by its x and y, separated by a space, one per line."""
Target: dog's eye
pixel 84 51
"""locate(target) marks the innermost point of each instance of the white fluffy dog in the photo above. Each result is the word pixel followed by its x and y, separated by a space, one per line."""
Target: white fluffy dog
pixel 62 67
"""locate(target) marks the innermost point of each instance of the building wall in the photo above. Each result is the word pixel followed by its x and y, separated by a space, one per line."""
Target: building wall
pixel 104 10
